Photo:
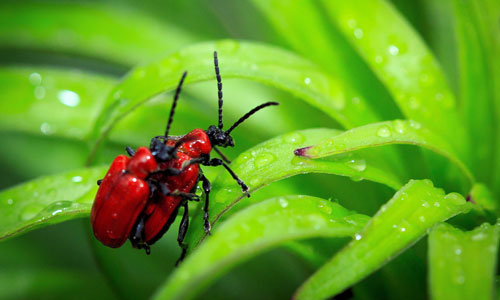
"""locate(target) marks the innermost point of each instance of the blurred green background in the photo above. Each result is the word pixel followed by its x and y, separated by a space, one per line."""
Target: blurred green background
pixel 60 60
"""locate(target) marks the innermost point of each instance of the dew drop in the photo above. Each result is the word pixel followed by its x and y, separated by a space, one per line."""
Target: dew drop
pixel 10 201
pixel 460 279
pixel 255 182
pixel 39 92
pixel 413 103
pixel 402 229
pixel 399 126
pixel 458 251
pixel 117 95
pixel 384 132
pixel 379 59
pixel 46 129
pixel 426 204
pixel 478 236
pixel 357 236
pixel 35 78
pixel 355 100
pixel 358 33
pixel 325 208
pixel 68 98
pixel 415 125
pixel 357 164
pixel 307 80
pixel 264 159
pixel 393 50
pixel 455 198
pixel 299 161
pixel 283 202
pixel 352 23
pixel 77 178
pixel 422 219
pixel 30 211
pixel 356 178
pixel 436 204
pixel 294 138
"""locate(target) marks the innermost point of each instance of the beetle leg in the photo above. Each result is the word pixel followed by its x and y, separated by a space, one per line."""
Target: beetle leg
pixel 137 237
pixel 182 232
pixel 224 157
pixel 99 182
pixel 217 162
pixel 129 151
pixel 206 188
pixel 165 191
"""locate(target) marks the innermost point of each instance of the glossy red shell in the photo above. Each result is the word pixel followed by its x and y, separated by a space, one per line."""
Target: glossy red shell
pixel 162 211
pixel 121 197
pixel 124 194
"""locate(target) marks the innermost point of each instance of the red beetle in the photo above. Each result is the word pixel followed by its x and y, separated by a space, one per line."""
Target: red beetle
pixel 162 178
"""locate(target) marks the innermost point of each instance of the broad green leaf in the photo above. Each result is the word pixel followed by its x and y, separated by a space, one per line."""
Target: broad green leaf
pixel 303 25
pixel 246 60
pixel 22 283
pixel 274 160
pixel 48 200
pixel 398 224
pixel 256 229
pixel 462 265
pixel 385 133
pixel 117 35
pixel 403 63
pixel 50 102
pixel 476 83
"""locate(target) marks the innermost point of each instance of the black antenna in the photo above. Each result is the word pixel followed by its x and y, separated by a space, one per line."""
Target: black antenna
pixel 219 87
pixel 174 104
pixel 248 114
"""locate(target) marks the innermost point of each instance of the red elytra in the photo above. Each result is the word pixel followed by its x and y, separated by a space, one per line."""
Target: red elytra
pixel 121 197
pixel 159 215
pixel 139 197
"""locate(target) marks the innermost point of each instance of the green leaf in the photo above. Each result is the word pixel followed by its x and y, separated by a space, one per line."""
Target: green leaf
pixel 48 200
pixel 476 83
pixel 274 160
pixel 65 27
pixel 385 133
pixel 398 224
pixel 305 28
pixel 403 63
pixel 50 102
pixel 261 63
pixel 462 265
pixel 254 230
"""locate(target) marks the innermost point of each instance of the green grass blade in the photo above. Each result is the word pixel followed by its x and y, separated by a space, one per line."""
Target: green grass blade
pixel 462 265
pixel 50 102
pixel 476 84
pixel 385 133
pixel 254 230
pixel 245 60
pixel 403 63
pixel 398 224
pixel 306 29
pixel 48 200
pixel 65 27
pixel 274 160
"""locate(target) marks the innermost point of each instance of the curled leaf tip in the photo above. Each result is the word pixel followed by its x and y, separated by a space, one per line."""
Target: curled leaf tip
pixel 302 151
